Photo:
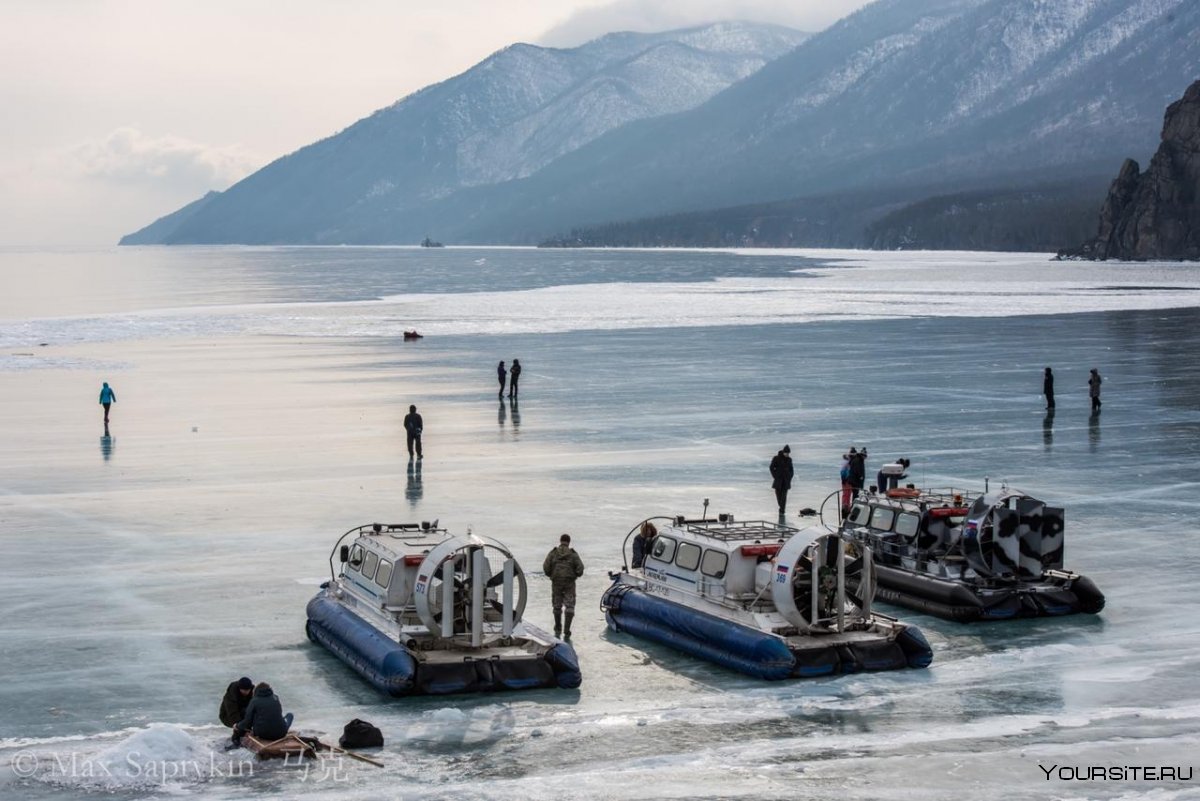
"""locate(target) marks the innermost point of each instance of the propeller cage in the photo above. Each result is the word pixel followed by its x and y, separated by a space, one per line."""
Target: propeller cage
pixel 469 588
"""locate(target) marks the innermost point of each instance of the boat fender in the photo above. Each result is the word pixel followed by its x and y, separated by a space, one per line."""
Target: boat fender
pixel 563 660
pixel 916 648
pixel 1091 600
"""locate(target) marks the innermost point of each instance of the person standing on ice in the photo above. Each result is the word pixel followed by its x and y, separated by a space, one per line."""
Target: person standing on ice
pixel 108 398
pixel 413 426
pixel 1094 389
pixel 781 476
pixel 562 566
pixel 1048 388
pixel 513 375
pixel 502 374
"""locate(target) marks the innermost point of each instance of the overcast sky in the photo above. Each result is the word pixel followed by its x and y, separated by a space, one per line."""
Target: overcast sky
pixel 119 111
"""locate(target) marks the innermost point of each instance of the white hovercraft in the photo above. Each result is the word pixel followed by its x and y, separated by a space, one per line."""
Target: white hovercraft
pixel 760 598
pixel 414 610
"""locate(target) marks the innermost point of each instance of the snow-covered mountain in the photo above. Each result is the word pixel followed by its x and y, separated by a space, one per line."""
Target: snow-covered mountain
pixel 505 118
pixel 944 94
pixel 934 96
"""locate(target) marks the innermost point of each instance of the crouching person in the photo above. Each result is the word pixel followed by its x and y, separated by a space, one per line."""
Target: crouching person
pixel 237 698
pixel 264 717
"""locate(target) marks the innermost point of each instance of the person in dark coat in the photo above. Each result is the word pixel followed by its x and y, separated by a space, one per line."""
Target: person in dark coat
pixel 1048 388
pixel 264 716
pixel 513 375
pixel 781 476
pixel 237 698
pixel 502 374
pixel 1094 389
pixel 643 543
pixel 563 566
pixel 413 426
pixel 858 471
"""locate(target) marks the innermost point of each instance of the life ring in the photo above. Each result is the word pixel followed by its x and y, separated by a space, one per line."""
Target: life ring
pixel 904 492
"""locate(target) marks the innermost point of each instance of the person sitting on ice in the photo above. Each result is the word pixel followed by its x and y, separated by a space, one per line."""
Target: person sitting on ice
pixel 264 717
pixel 237 698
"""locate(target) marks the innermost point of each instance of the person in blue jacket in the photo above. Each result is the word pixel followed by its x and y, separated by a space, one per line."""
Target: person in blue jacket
pixel 107 399
pixel 264 716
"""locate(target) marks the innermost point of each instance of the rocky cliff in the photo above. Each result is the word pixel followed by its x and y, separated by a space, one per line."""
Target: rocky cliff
pixel 1156 214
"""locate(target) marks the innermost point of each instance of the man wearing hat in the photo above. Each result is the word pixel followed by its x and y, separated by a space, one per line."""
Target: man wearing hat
pixel 563 566
pixel 237 698
pixel 781 476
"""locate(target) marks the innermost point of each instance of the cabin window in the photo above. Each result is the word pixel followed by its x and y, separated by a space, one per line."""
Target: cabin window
pixel 664 548
pixel 369 565
pixel 384 575
pixel 858 514
pixel 688 557
pixel 906 524
pixel 356 558
pixel 714 563
pixel 882 517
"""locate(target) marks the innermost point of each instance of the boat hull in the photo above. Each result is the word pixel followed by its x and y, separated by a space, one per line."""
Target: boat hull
pixel 750 651
pixel 396 670
pixel 952 600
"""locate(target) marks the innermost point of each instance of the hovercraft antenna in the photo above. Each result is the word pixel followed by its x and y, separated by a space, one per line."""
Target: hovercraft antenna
pixel 704 514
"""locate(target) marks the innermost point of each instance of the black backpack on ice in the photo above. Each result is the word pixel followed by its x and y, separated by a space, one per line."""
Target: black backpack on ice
pixel 361 734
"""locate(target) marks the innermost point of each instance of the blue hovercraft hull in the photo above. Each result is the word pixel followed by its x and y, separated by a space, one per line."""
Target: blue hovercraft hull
pixel 750 651
pixel 393 669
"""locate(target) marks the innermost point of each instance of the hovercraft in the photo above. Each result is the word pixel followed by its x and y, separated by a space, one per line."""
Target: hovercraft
pixel 759 598
pixel 414 610
pixel 994 556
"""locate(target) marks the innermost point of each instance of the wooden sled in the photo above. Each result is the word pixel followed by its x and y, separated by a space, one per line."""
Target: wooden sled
pixel 291 746
pixel 295 747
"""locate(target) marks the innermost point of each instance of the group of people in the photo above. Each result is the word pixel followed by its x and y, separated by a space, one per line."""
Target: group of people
pixel 1094 382
pixel 414 425
pixel 253 709
pixel 512 375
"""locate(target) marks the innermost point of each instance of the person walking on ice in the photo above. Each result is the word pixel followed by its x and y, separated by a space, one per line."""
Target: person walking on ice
pixel 562 566
pixel 108 398
pixel 1048 389
pixel 1094 389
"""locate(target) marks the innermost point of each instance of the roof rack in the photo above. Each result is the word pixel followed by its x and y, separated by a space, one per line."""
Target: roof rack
pixel 726 528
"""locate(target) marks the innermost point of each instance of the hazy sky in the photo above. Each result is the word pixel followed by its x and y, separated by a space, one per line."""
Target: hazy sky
pixel 118 111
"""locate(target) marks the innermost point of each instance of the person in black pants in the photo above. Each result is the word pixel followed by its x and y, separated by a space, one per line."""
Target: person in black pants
pixel 781 476
pixel 413 425
pixel 1094 389
pixel 501 373
pixel 513 374
pixel 1048 388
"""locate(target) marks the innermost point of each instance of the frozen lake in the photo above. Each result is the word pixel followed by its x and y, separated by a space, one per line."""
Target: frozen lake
pixel 260 394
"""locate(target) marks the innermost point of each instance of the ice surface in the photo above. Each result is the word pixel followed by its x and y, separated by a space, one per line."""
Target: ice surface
pixel 260 397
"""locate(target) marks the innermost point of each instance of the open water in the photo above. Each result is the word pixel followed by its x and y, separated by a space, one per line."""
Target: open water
pixel 260 393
